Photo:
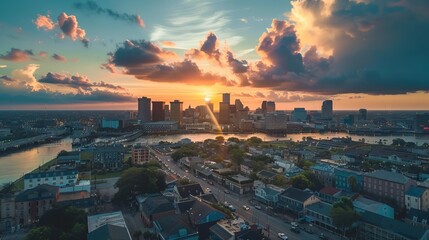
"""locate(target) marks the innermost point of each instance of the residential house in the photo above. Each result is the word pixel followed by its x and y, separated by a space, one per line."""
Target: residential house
pixel 108 226
pixel 320 214
pixel 374 226
pixel 7 213
pixel 31 204
pixel 220 175
pixel 296 200
pixel 190 162
pixel 246 167
pixel 68 158
pixel 342 158
pixel 235 229
pixel 184 192
pixel 289 168
pixel 417 198
pixel 362 205
pixel 175 227
pixel 418 218
pixel 266 176
pixel 348 180
pixel 268 194
pixel 329 194
pixel 153 206
pixel 239 184
pixel 59 178
pixel 393 156
pixel 325 173
pixel 387 186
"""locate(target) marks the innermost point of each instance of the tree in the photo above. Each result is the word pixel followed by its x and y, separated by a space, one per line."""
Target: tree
pixel 398 142
pixel 254 141
pixel 280 181
pixel 343 214
pixel 300 181
pixel 352 181
pixel 136 181
pixel 188 150
pixel 233 139
pixel 137 234
pixel 220 139
pixel 40 233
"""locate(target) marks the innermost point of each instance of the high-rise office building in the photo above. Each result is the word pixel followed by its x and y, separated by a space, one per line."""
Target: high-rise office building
pixel 176 113
pixel 327 109
pixel 224 113
pixel 158 111
pixel 421 123
pixel 238 105
pixel 226 98
pixel 362 114
pixel 298 115
pixel 143 112
pixel 271 106
pixel 167 112
pixel 264 107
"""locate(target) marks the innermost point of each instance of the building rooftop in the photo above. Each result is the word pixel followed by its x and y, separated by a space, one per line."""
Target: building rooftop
pixel 99 220
pixel 398 227
pixel 266 174
pixel 329 191
pixel 321 207
pixel 415 191
pixel 388 176
pixel 240 178
pixel 296 194
pixel 190 189
pixel 323 168
pixel 368 204
pixel 54 173
pixel 154 203
pixel 174 226
pixel 40 192
pixel 110 231
pixel 73 196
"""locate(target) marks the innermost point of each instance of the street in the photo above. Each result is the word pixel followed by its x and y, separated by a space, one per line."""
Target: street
pixel 271 223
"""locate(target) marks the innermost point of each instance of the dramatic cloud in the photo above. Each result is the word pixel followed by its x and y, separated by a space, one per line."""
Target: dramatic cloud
pixel 44 22
pixel 94 7
pixel 68 25
pixel 209 49
pixel 76 81
pixel 168 44
pixel 59 57
pixel 6 78
pixel 25 89
pixel 147 61
pixel 135 53
pixel 17 55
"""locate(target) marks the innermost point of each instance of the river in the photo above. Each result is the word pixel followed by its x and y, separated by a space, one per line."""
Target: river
pixel 14 165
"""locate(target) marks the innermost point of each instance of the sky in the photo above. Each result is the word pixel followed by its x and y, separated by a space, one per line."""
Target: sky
pixel 105 54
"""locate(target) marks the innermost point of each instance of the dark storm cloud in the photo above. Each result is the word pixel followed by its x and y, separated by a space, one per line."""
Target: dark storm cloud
pixel 17 55
pixel 7 78
pixel 134 53
pixel 94 7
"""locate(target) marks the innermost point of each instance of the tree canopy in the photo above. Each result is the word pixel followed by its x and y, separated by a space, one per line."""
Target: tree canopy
pixel 305 180
pixel 136 181
pixel 66 223
pixel 343 214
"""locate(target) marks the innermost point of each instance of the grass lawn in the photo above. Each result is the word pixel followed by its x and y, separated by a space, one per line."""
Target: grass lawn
pixel 108 175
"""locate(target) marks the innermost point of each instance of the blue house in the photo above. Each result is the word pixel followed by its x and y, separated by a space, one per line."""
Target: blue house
pixel 342 179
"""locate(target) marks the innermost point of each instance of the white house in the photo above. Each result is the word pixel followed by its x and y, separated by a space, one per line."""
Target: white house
pixel 417 198
pixel 57 178
pixel 268 194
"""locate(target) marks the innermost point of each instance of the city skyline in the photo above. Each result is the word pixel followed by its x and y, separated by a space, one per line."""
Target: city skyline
pixel 104 55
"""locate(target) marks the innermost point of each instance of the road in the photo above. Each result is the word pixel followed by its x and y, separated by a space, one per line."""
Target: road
pixel 252 215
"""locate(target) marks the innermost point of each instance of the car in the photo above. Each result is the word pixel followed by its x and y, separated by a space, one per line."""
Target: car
pixel 210 182
pixel 232 208
pixel 226 203
pixel 246 207
pixel 294 224
pixel 226 191
pixel 282 236
pixel 258 207
pixel 186 171
pixel 323 236
pixel 295 229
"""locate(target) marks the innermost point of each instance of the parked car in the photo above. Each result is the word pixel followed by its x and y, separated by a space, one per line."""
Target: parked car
pixel 226 191
pixel 295 229
pixel 282 236
pixel 210 182
pixel 258 207
pixel 232 208
pixel 246 207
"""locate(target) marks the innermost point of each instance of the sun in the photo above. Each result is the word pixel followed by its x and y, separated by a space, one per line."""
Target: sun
pixel 207 99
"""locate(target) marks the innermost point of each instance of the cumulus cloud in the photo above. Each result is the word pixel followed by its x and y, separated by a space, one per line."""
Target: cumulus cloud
pixel 134 53
pixel 95 8
pixel 68 25
pixel 17 55
pixel 59 57
pixel 44 22
pixel 168 44
pixel 210 49
pixel 77 81
pixel 25 89
pixel 147 61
